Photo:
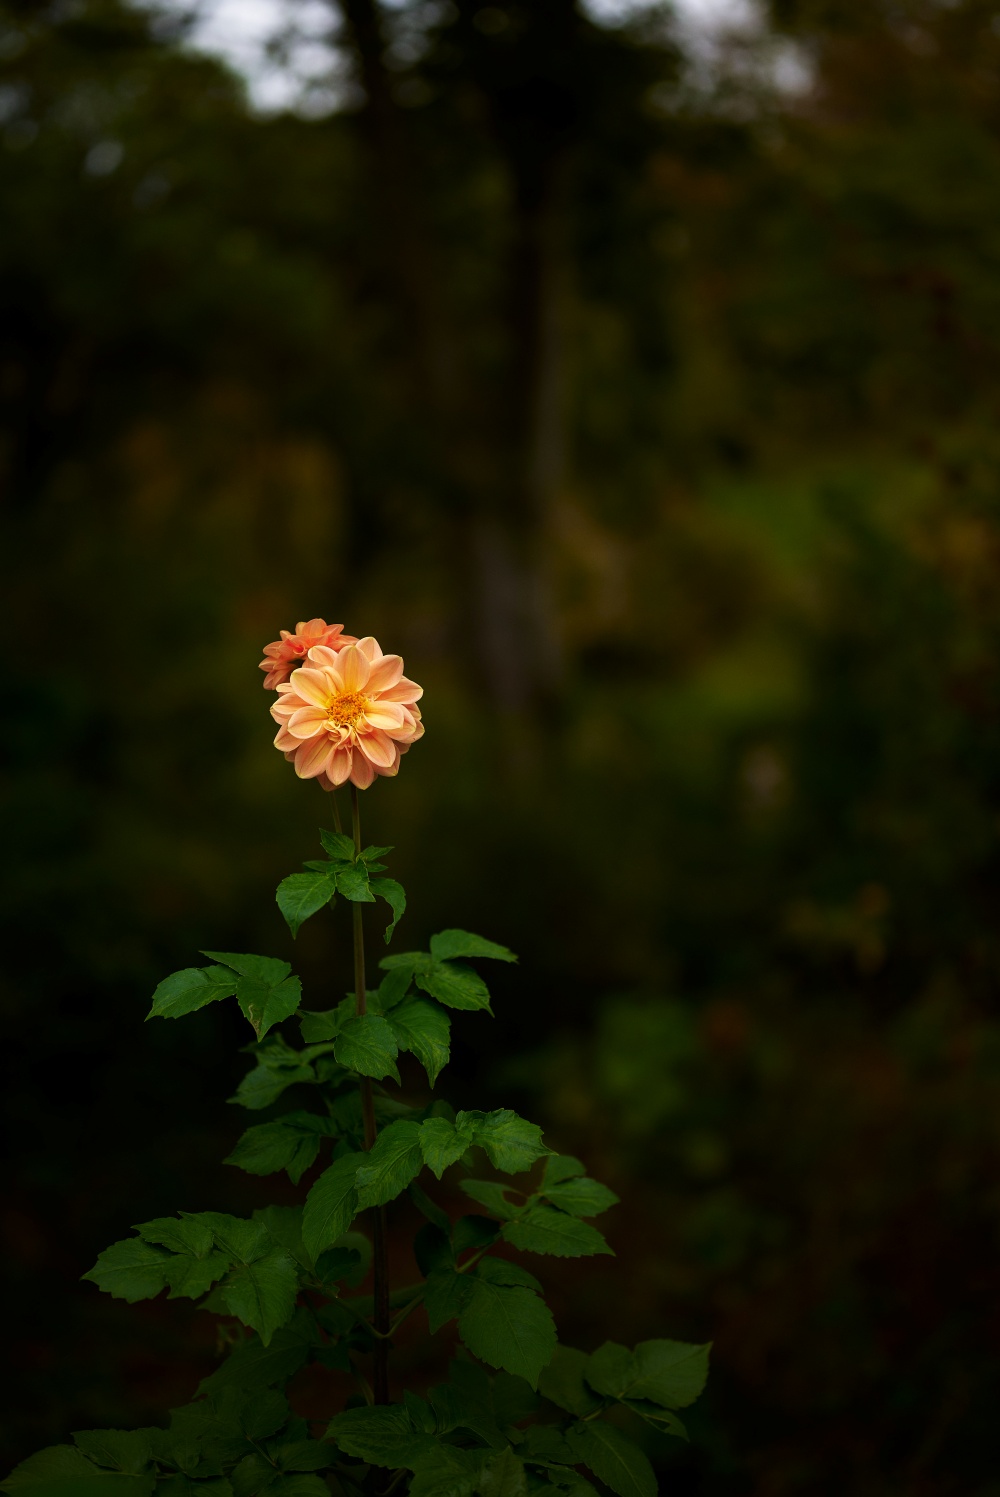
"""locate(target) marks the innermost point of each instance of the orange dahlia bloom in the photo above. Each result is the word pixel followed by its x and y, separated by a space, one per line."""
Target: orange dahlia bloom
pixel 347 714
pixel 288 652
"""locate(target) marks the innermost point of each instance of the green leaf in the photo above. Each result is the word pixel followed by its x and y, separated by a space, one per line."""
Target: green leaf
pixel 302 894
pixel 267 970
pixel 503 1476
pixel 130 1270
pixel 367 1045
pixel 395 897
pixel 451 943
pixel 284 1227
pixel 543 1229
pixel 339 846
pixel 253 1475
pixel 185 992
pixel 290 1143
pixel 511 1143
pixel 353 884
pixel 422 1027
pixel 612 1458
pixel 544 1443
pixel 382 1436
pixel 493 1195
pixel 561 1167
pixel 393 988
pixel 508 1327
pixel 253 1365
pixel 454 985
pixel 52 1472
pixel 669 1373
pixel 393 1161
pixel 278 1067
pixel 303 1455
pixel 501 1271
pixel 580 1196
pixel 442 1143
pixel 195 1267
pixel 264 1006
pixel 662 1419
pixel 465 1401
pixel 448 1473
pixel 298 1484
pixel 473 1232
pixel 562 1382
pixel 262 1294
pixel 513 1399
pixel 371 854
pixel 444 1295
pixel 127 1450
pixel 331 1205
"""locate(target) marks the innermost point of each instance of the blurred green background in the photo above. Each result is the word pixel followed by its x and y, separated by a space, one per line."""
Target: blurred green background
pixel 645 396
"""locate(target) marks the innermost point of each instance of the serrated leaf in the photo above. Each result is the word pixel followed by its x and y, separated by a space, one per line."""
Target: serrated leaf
pixel 512 1144
pixel 422 1027
pixel 252 1365
pixel 454 985
pixel 545 1442
pixel 51 1471
pixel 252 1476
pixel 303 1455
pixel 392 1162
pixel 662 1419
pixel 465 1401
pixel 543 1229
pixel 503 1475
pixel 444 1296
pixel 269 970
pixel 561 1167
pixel 284 1227
pixel 327 1024
pixel 501 1271
pixel 442 1144
pixel 610 1370
pixel 265 1005
pixel 178 1234
pixel 613 1458
pixel 290 1143
pixel 369 854
pixel 179 1485
pixel 301 895
pixel 339 846
pixel 394 987
pixel 130 1270
pixel 353 884
pixel 562 1382
pixel 262 1294
pixel 127 1450
pixel 331 1205
pixel 395 897
pixel 473 1232
pixel 367 1045
pixel 298 1484
pixel 669 1373
pixel 514 1400
pixel 278 1067
pixel 187 991
pixel 452 943
pixel 580 1196
pixel 382 1436
pixel 493 1195
pixel 508 1327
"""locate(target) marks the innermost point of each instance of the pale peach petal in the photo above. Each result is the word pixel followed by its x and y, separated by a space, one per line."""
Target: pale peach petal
pixel 362 772
pixel 339 766
pixel 312 756
pixel 385 673
pixel 284 741
pixel 385 715
pixel 403 691
pixel 370 647
pixel 306 722
pixel 376 747
pixel 313 686
pixel 351 668
pixel 323 656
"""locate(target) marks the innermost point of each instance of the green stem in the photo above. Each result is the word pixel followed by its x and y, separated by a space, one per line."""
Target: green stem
pixel 380 1257
pixel 336 811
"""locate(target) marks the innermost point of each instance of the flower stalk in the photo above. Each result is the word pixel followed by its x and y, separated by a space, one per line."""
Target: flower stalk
pixel 380 1259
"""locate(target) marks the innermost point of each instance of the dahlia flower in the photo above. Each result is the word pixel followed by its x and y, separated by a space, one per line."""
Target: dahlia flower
pixel 347 713
pixel 288 652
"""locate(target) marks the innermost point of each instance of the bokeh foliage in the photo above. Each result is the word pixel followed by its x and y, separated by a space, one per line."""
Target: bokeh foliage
pixel 652 414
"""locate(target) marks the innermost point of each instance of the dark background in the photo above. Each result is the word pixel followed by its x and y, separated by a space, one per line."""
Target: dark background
pixel 648 405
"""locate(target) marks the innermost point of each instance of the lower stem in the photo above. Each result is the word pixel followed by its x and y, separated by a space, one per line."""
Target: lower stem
pixel 380 1258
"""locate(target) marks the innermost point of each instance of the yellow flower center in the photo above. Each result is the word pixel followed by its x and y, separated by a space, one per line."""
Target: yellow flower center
pixel 343 711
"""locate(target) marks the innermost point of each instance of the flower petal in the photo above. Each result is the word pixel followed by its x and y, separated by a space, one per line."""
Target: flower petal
pixel 385 715
pixel 370 647
pixel 312 685
pixel 376 747
pixel 306 722
pixel 362 772
pixel 352 668
pixel 403 691
pixel 385 673
pixel 312 757
pixel 339 766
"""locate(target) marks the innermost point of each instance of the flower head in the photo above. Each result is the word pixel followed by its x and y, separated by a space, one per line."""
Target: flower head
pixel 347 713
pixel 288 652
